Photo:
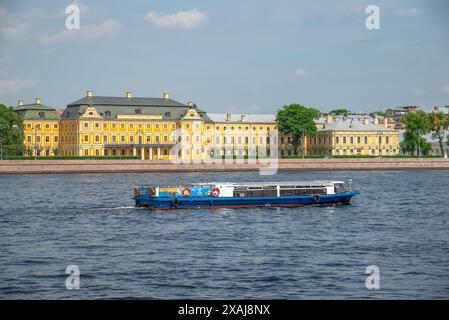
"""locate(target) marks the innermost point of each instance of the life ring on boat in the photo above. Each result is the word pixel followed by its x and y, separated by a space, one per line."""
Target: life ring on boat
pixel 316 198
pixel 136 191
pixel 152 191
pixel 215 192
pixel 185 191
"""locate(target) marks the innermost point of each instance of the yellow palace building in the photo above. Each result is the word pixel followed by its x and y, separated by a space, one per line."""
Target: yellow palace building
pixel 41 128
pixel 354 135
pixel 151 128
pixel 162 128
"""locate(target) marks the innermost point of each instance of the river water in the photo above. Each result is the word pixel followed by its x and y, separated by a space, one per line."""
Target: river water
pixel 399 223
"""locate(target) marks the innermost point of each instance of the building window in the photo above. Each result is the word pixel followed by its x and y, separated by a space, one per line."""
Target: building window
pixel 217 140
pixel 148 126
pixel 86 125
pixel 122 126
pixel 122 139
pixel 165 139
pixel 351 140
pixel 105 139
pixel 56 139
pixel 114 126
pixel 86 138
pixel 97 152
pixel 366 140
pixel 157 139
pixel 97 138
pixel 387 140
pixel 131 125
pixel 131 139
pixel 86 152
pixel 157 126
pixel 148 139
pixel 114 139
pixel 358 140
pixel 165 125
pixel 97 125
pixel 344 141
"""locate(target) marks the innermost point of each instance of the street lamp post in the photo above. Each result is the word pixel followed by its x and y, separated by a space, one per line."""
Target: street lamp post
pixel 1 143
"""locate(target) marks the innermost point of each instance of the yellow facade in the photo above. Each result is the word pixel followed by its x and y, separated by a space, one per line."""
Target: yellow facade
pixel 41 128
pixel 354 137
pixel 242 135
pixel 41 137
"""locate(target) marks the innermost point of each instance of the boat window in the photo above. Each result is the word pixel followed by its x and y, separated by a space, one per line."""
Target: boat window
pixel 339 188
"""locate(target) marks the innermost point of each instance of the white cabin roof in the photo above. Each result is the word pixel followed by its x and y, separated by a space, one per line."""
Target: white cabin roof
pixel 272 183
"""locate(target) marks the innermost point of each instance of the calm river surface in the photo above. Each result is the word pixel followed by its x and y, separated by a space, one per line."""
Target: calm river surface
pixel 399 223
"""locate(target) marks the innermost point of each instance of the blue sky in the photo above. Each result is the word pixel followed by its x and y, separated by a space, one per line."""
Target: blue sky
pixel 229 56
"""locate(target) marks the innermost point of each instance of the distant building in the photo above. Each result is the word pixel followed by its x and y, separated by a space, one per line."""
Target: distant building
pixel 398 114
pixel 354 135
pixel 41 128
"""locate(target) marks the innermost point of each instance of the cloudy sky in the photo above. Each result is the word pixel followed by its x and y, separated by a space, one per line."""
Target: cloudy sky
pixel 228 56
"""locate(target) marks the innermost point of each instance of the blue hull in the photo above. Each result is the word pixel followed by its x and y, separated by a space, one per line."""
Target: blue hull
pixel 241 202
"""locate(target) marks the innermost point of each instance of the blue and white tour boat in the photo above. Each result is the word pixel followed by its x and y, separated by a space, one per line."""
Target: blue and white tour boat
pixel 244 195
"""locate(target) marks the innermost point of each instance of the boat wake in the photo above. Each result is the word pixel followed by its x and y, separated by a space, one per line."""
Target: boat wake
pixel 115 208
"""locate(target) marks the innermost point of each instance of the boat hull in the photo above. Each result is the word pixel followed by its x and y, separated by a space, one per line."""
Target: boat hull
pixel 241 202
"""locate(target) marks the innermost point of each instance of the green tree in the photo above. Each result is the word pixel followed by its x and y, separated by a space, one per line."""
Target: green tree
pixel 417 124
pixel 341 112
pixel 380 114
pixel 440 124
pixel 295 119
pixel 11 131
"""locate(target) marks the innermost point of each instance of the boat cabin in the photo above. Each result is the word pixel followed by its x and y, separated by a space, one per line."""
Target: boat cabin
pixel 249 189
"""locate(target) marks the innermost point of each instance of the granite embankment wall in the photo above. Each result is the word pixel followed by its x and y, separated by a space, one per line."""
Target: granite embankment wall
pixel 109 166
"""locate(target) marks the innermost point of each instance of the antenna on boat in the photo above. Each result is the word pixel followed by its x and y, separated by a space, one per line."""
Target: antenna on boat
pixel 350 184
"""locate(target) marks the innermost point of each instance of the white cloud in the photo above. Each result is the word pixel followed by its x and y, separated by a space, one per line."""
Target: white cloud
pixel 13 85
pixel 417 92
pixel 11 27
pixel 300 72
pixel 86 32
pixel 179 20
pixel 446 88
pixel 410 12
